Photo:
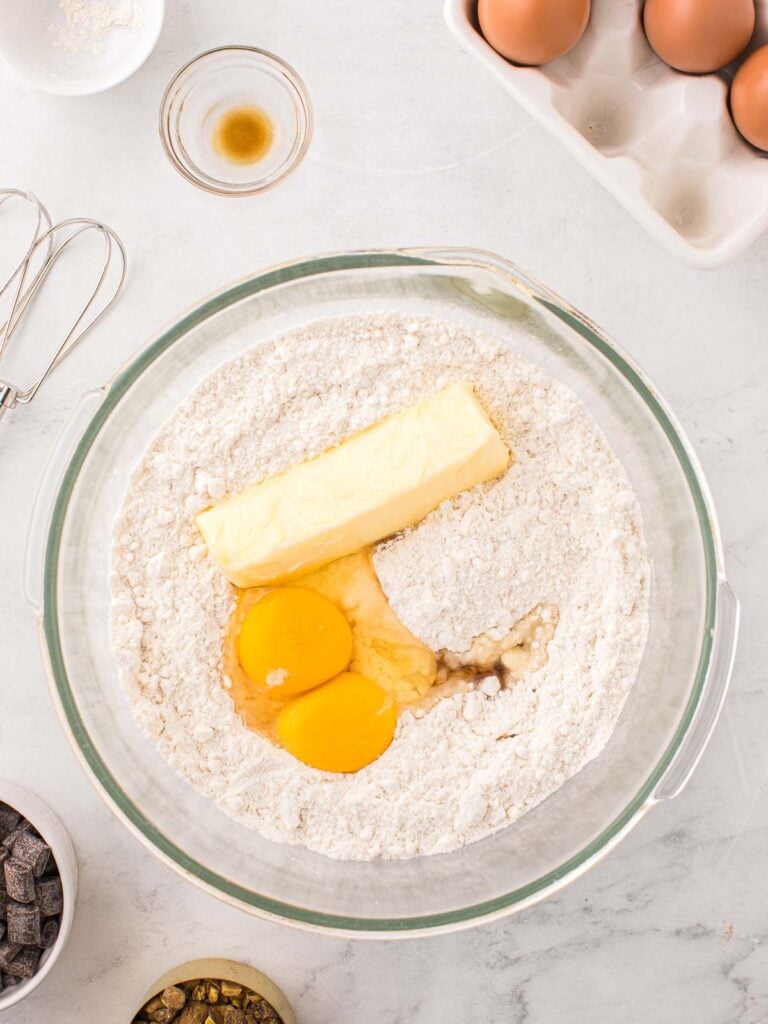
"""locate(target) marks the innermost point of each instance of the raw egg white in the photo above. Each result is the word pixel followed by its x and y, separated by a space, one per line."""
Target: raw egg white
pixel 749 98
pixel 533 31
pixel 698 36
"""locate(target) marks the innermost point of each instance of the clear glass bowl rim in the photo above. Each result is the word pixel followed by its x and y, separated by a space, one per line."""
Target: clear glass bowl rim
pixel 99 772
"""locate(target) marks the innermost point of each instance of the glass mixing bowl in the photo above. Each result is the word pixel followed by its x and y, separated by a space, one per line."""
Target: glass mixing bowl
pixel 668 717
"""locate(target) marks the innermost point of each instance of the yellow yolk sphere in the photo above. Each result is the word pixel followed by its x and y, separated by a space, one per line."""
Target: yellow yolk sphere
pixel 292 640
pixel 341 726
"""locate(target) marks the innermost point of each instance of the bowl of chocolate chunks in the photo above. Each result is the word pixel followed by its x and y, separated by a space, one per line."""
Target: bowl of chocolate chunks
pixel 38 882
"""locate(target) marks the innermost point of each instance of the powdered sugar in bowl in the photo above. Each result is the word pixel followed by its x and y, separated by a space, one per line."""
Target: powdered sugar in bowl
pixel 77 47
pixel 671 708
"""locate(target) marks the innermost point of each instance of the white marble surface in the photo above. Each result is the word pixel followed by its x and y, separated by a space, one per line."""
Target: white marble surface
pixel 414 145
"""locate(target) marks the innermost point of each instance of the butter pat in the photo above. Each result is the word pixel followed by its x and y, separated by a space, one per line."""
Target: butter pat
pixel 368 487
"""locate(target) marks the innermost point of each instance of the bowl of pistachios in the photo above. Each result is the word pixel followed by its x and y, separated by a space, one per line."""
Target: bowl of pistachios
pixel 214 991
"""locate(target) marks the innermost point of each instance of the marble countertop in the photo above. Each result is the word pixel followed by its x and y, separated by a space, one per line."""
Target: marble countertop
pixel 414 145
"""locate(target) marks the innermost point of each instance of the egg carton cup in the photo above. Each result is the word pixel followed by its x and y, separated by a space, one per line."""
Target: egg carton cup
pixel 663 143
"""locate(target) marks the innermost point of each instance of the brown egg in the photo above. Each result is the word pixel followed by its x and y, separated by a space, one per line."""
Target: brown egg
pixel 749 98
pixel 699 35
pixel 533 31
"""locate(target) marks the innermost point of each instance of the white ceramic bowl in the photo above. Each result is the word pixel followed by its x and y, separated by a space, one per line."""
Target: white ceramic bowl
pixel 54 833
pixel 30 43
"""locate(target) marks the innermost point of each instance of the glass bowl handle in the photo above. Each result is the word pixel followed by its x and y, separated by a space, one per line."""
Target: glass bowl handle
pixel 715 688
pixel 47 493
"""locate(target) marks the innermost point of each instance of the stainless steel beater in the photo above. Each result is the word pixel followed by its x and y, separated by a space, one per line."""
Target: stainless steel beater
pixel 49 241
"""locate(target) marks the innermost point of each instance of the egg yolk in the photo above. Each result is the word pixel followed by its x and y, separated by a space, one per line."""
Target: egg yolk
pixel 382 648
pixel 292 640
pixel 341 726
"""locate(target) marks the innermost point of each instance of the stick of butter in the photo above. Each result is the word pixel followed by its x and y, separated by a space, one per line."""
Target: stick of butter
pixel 368 487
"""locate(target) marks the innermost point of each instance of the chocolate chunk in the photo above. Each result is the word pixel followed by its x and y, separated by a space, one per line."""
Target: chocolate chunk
pixel 24 964
pixel 49 933
pixel 162 1016
pixel 230 1015
pixel 174 998
pixel 8 953
pixel 49 895
pixel 9 819
pixel 267 1010
pixel 11 838
pixel 24 924
pixel 29 849
pixel 19 880
pixel 194 1012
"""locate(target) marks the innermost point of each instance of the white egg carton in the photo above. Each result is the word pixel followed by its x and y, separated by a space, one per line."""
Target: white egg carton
pixel 661 142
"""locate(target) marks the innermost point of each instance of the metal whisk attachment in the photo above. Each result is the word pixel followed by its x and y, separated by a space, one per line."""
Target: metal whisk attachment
pixel 48 243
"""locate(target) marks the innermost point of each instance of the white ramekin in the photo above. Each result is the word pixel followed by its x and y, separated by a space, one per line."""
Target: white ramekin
pixel 55 835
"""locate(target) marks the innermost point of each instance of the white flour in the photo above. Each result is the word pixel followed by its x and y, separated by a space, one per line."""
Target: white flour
pixel 562 527
pixel 87 24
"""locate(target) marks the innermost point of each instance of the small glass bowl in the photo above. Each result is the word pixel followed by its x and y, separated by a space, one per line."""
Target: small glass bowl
pixel 215 82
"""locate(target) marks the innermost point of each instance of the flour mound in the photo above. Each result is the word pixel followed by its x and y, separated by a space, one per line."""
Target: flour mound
pixel 562 528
